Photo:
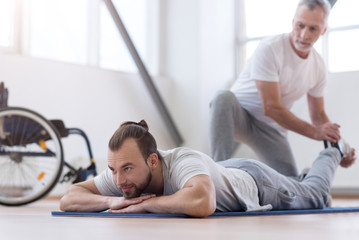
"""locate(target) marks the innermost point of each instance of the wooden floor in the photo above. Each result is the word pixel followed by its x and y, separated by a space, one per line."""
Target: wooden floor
pixel 35 222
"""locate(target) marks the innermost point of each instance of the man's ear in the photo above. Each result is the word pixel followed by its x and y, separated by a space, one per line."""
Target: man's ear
pixel 324 31
pixel 152 160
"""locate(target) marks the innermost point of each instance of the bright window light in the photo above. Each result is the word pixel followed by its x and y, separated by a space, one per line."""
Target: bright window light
pixel 338 47
pixel 113 51
pixel 249 49
pixel 84 32
pixel 343 37
pixel 343 51
pixel 6 22
pixel 265 18
pixel 58 30
pixel 344 13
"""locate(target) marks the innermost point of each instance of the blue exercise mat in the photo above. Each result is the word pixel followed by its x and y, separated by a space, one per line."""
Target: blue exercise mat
pixel 216 214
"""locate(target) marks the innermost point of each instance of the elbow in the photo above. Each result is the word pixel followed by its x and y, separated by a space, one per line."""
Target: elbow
pixel 270 110
pixel 267 111
pixel 62 204
pixel 205 212
pixel 65 204
pixel 204 208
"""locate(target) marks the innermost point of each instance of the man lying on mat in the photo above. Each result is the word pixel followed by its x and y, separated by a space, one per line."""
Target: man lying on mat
pixel 140 178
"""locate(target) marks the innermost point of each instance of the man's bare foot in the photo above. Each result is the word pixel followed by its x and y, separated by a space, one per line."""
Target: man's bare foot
pixel 347 153
pixel 349 160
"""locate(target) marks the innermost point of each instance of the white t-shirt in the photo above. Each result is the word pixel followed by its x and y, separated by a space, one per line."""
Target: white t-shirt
pixel 236 190
pixel 274 60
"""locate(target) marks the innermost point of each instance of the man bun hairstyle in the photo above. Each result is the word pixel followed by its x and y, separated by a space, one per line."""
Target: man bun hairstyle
pixel 137 131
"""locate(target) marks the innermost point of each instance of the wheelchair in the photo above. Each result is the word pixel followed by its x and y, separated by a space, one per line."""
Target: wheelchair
pixel 31 156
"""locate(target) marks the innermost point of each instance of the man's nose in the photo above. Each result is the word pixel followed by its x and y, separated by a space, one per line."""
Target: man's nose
pixel 305 33
pixel 119 179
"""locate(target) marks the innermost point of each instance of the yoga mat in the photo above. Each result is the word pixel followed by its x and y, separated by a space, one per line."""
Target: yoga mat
pixel 216 214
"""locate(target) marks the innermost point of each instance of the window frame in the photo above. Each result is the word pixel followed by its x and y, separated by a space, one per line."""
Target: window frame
pixel 14 45
pixel 242 40
pixel 326 51
pixel 22 30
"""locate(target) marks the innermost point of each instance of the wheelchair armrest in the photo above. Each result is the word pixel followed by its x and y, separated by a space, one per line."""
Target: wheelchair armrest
pixel 60 126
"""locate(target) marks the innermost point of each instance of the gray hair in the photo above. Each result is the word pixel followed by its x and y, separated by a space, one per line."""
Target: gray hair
pixel 311 4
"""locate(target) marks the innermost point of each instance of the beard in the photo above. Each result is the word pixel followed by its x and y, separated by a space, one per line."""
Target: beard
pixel 301 48
pixel 137 189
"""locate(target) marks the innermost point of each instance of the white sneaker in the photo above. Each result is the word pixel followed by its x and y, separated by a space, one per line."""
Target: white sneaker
pixel 343 147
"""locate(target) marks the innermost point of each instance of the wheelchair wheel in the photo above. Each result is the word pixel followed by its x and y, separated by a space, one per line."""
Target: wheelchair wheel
pixel 31 156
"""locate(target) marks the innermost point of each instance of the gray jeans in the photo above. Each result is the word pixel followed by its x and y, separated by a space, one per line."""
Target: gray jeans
pixel 283 192
pixel 231 124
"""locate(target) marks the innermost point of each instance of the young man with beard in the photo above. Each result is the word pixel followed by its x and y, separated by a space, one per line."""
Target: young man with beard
pixel 140 178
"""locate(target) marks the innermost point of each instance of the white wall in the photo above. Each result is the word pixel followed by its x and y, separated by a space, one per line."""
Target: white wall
pixel 181 63
pixel 199 57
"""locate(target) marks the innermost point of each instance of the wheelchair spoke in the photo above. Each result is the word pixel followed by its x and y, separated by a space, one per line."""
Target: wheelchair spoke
pixel 31 157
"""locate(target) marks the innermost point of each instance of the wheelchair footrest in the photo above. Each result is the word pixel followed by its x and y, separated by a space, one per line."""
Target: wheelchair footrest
pixel 80 175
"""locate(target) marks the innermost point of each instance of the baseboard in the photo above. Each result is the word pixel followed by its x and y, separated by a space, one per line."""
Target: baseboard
pixel 345 192
pixel 53 197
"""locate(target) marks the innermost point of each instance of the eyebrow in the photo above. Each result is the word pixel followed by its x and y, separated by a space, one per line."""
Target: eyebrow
pixel 123 166
pixel 126 165
pixel 300 22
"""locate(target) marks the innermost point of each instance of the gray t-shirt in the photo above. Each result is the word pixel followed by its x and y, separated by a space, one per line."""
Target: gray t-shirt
pixel 236 190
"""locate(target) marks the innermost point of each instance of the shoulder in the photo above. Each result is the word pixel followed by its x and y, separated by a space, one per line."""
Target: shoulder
pixel 271 48
pixel 316 58
pixel 179 153
pixel 275 42
pixel 106 184
pixel 183 159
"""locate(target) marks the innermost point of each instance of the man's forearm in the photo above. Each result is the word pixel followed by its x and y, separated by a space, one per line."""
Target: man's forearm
pixel 78 199
pixel 321 129
pixel 319 119
pixel 198 202
pixel 289 121
pixel 168 204
pixel 316 110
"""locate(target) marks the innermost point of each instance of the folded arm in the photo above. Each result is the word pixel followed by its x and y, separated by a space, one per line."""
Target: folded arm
pixel 197 198
pixel 85 197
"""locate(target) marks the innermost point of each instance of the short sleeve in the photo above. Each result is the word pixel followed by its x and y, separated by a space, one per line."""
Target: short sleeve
pixel 264 64
pixel 319 87
pixel 186 167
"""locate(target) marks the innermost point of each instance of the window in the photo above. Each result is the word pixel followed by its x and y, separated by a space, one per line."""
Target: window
pixel 113 51
pixel 257 22
pixel 6 23
pixel 58 30
pixel 262 18
pixel 82 31
pixel 343 37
